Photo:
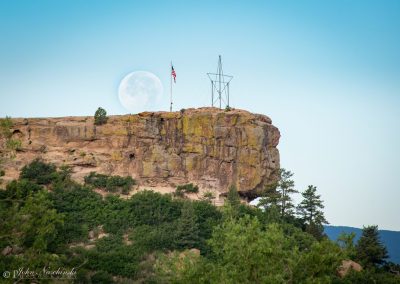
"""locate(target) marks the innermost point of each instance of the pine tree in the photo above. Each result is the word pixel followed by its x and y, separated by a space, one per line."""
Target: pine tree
pixel 310 212
pixel 269 202
pixel 187 230
pixel 270 197
pixel 370 250
pixel 233 197
pixel 278 196
pixel 310 208
pixel 286 189
pixel 100 116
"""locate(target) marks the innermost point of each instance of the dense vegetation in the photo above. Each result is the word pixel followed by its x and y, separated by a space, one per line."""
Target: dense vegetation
pixel 50 220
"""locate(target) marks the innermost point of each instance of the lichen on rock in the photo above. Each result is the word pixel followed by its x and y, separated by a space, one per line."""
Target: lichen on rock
pixel 207 146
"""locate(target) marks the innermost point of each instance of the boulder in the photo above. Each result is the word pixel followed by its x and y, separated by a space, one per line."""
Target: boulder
pixel 7 250
pixel 347 266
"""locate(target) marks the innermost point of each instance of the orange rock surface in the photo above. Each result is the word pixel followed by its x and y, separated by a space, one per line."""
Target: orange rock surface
pixel 210 147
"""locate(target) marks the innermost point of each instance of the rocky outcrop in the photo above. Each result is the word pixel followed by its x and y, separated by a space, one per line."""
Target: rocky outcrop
pixel 347 266
pixel 207 146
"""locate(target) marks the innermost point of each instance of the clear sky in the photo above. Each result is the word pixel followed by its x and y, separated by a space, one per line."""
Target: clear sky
pixel 326 72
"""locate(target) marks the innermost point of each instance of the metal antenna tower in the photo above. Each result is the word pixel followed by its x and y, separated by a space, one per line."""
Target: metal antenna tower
pixel 219 85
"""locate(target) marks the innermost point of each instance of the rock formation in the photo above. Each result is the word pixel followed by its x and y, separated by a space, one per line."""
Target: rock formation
pixel 347 266
pixel 210 147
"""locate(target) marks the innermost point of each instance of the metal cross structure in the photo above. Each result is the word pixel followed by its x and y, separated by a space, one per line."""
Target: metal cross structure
pixel 220 85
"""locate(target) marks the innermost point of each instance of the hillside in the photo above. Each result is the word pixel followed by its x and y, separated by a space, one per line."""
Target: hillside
pixel 391 239
pixel 105 230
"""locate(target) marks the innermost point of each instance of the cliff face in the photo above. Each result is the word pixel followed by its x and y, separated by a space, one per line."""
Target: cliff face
pixel 206 146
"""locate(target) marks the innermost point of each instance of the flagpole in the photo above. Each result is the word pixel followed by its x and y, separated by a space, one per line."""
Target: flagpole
pixel 170 75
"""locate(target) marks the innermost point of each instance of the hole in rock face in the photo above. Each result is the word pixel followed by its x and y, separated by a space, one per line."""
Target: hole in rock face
pixel 17 134
pixel 273 162
pixel 131 156
pixel 17 131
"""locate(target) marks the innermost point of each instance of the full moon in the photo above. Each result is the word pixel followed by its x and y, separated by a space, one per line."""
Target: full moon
pixel 140 91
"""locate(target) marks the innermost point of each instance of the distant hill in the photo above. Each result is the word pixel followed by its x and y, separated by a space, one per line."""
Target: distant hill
pixel 391 239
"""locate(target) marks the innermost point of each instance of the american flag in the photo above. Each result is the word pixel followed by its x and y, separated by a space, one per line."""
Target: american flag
pixel 173 74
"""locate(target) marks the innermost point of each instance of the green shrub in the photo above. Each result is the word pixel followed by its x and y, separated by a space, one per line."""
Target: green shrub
pixel 39 172
pixel 151 238
pixel 113 256
pixel 102 277
pixel 151 208
pixel 110 183
pixel 179 193
pixel 100 116
pixel 208 196
pixel 83 209
pixel 186 188
pixel 5 127
pixel 116 214
pixel 12 145
pixel 116 182
pixel 21 189
pixel 97 180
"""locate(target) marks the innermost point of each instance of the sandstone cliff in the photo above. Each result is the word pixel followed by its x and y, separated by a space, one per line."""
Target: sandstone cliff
pixel 206 146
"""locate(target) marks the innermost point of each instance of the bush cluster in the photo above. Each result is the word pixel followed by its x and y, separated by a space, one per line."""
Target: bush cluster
pixel 186 188
pixel 39 172
pixel 110 183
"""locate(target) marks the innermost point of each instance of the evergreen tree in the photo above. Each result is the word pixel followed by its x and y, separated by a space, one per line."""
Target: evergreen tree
pixel 310 212
pixel 310 207
pixel 100 116
pixel 233 196
pixel 286 189
pixel 278 196
pixel 39 221
pixel 187 229
pixel 370 250
pixel 246 251
pixel 269 202
pixel 270 197
pixel 231 208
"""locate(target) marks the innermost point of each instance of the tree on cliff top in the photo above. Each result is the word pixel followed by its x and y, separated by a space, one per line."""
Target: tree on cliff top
pixel 100 116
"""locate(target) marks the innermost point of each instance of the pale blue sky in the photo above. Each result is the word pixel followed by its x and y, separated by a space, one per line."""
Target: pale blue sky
pixel 326 72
